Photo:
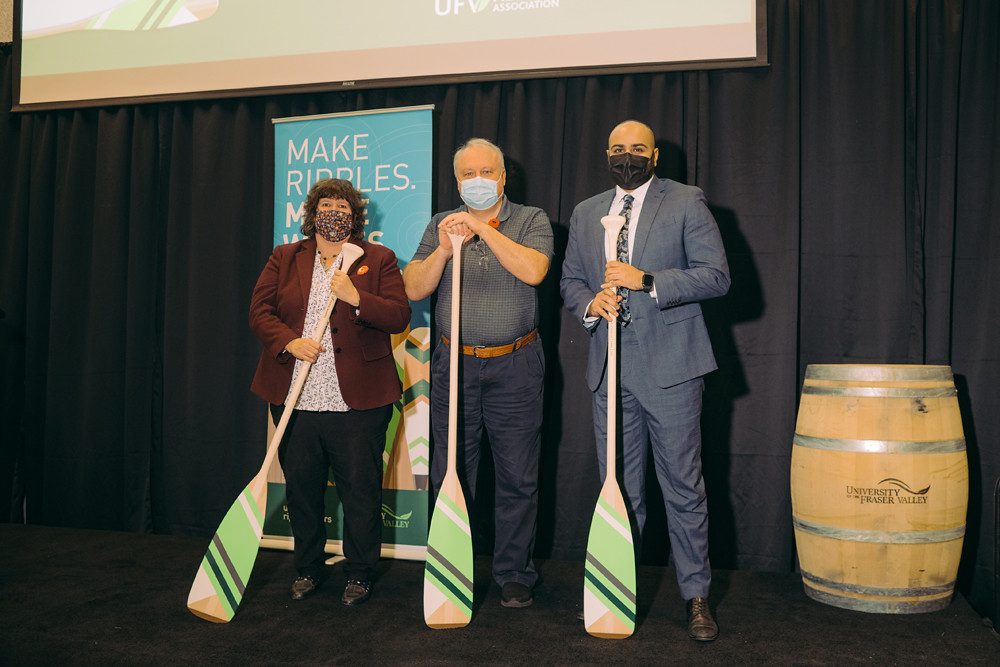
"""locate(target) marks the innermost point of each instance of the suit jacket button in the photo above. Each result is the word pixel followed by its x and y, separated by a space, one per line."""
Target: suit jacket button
pixel 337 351
pixel 333 330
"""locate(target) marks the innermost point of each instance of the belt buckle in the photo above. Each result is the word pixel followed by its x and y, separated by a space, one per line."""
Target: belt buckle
pixel 475 351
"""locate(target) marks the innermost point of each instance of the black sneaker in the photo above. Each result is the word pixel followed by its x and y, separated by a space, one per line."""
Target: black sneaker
pixel 303 587
pixel 514 594
pixel 356 592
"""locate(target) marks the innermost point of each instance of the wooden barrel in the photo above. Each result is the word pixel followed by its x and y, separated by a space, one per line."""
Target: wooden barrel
pixel 880 487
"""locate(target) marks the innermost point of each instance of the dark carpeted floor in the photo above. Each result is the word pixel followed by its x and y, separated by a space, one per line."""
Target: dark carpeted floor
pixel 80 597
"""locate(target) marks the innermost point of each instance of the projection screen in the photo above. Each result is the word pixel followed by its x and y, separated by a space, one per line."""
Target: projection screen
pixel 97 52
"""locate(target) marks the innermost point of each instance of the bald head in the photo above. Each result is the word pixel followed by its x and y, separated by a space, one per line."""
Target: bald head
pixel 629 136
pixel 632 154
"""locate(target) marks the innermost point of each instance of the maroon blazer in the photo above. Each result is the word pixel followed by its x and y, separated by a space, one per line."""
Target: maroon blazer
pixel 362 347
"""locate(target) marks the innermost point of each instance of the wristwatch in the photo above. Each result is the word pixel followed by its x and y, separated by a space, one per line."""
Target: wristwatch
pixel 647 282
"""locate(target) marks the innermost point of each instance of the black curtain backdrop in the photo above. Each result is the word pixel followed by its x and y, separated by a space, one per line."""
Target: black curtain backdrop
pixel 856 181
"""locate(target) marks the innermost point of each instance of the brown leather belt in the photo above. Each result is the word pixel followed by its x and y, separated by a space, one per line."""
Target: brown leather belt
pixel 499 350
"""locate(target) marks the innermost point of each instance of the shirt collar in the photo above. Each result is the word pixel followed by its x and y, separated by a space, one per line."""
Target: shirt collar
pixel 638 195
pixel 502 214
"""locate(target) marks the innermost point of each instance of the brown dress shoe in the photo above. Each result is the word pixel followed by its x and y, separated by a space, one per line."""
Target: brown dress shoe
pixel 701 625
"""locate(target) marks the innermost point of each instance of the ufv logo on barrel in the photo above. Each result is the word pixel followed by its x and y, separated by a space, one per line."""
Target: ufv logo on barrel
pixel 879 483
pixel 889 491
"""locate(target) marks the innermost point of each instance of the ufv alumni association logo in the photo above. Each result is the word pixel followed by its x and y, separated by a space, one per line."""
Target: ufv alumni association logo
pixel 889 491
pixel 446 7
pixel 392 520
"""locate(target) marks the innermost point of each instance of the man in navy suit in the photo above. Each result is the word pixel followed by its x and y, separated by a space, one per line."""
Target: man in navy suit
pixel 668 258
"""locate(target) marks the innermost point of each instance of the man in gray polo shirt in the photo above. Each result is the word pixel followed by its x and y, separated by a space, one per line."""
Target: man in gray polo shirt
pixel 506 255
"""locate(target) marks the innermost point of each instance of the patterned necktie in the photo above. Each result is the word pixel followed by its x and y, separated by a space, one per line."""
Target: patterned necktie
pixel 624 316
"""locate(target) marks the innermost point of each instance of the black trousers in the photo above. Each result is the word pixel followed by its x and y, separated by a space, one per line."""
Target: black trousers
pixel 351 444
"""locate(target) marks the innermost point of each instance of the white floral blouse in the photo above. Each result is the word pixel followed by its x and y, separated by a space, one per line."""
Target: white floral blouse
pixel 321 392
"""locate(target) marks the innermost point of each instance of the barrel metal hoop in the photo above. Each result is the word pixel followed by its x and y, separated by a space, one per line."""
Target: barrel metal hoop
pixel 877 590
pixel 879 606
pixel 881 446
pixel 882 392
pixel 861 373
pixel 879 536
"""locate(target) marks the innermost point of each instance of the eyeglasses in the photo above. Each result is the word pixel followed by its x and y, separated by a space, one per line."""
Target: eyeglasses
pixel 484 258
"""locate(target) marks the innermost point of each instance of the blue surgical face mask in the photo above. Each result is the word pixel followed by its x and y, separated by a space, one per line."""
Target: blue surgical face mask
pixel 479 193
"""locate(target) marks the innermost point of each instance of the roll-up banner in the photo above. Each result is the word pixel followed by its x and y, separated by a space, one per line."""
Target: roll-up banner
pixel 387 155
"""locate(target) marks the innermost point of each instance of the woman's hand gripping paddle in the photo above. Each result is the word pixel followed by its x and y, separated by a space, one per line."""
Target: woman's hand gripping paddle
pixel 448 570
pixel 609 571
pixel 222 576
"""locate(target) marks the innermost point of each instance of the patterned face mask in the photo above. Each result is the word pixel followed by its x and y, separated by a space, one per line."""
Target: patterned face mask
pixel 334 226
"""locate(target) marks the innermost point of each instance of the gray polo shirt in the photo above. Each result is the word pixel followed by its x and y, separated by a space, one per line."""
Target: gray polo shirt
pixel 496 307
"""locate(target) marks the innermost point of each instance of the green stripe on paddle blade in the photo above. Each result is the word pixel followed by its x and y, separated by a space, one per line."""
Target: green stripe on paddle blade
pixel 448 572
pixel 218 587
pixel 609 571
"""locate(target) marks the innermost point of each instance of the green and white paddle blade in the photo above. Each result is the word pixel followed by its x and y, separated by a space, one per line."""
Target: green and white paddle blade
pixel 448 572
pixel 222 576
pixel 609 572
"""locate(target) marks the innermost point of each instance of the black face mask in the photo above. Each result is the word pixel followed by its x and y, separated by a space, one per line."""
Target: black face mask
pixel 629 171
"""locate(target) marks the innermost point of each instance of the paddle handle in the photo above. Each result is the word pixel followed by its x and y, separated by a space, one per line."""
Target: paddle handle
pixel 612 227
pixel 456 278
pixel 351 254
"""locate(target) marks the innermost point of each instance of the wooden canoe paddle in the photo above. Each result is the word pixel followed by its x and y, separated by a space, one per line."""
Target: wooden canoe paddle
pixel 222 576
pixel 448 569
pixel 609 571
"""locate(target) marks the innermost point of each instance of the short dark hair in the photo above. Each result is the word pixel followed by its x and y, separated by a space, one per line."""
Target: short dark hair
pixel 334 188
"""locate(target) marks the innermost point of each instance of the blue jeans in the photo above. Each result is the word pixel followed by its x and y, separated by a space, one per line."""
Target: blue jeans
pixel 504 396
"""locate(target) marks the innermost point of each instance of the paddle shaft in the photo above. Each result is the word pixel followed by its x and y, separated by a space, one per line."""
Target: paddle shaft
pixel 453 350
pixel 612 450
pixel 612 226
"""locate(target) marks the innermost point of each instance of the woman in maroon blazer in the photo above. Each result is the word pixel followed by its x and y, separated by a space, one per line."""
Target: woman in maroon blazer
pixel 342 414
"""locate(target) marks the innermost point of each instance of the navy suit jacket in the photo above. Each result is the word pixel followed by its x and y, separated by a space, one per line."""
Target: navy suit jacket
pixel 678 241
pixel 366 368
